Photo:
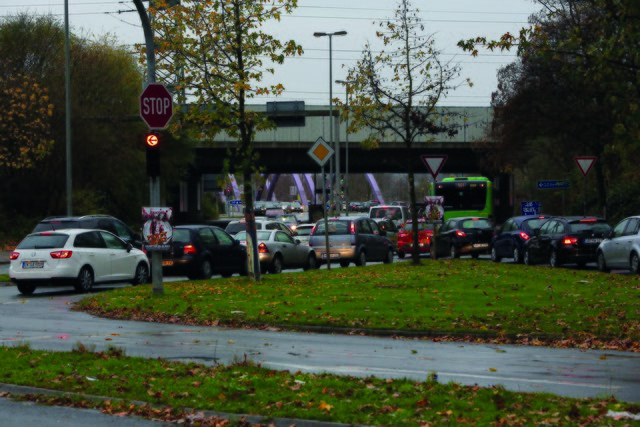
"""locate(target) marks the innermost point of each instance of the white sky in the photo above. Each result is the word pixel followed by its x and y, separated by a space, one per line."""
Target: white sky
pixel 306 78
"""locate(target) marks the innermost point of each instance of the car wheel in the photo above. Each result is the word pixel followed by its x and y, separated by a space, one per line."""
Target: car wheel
pixel 389 258
pixel 276 265
pixel 206 270
pixel 141 275
pixel 553 259
pixel 312 263
pixel 84 282
pixel 453 252
pixel 517 259
pixel 26 288
pixel 602 263
pixel 527 258
pixel 494 255
pixel 635 263
pixel 361 260
pixel 401 254
pixel 344 264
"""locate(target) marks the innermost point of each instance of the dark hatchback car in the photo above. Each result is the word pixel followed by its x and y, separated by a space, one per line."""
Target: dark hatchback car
pixel 351 239
pixel 464 236
pixel 509 239
pixel 99 222
pixel 566 240
pixel 199 251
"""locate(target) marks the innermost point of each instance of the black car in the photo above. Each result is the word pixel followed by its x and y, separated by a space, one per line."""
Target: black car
pixel 566 240
pixel 199 251
pixel 509 239
pixel 464 236
pixel 99 222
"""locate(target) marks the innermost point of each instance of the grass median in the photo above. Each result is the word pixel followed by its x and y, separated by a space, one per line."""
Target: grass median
pixel 456 299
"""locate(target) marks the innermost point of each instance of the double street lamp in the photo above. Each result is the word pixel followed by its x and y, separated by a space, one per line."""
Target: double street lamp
pixel 336 146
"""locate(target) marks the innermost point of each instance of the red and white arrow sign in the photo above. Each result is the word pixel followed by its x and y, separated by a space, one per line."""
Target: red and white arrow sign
pixel 585 163
pixel 434 163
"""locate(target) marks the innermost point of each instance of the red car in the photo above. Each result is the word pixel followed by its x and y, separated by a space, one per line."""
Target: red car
pixel 405 238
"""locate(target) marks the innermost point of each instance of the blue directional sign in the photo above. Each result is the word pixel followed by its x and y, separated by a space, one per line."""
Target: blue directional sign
pixel 530 208
pixel 548 185
pixel 235 202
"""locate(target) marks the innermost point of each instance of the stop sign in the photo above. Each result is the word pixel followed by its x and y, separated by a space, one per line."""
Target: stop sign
pixel 156 106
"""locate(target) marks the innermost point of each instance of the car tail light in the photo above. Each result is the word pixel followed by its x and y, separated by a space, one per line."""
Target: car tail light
pixel 524 236
pixel 13 256
pixel 569 241
pixel 61 254
pixel 190 250
pixel 460 233
pixel 353 228
pixel 262 248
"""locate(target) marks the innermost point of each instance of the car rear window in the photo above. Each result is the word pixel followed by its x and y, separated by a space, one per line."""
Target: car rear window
pixel 235 227
pixel 476 223
pixel 43 241
pixel 304 231
pixel 181 235
pixel 580 226
pixel 56 225
pixel 534 223
pixel 336 228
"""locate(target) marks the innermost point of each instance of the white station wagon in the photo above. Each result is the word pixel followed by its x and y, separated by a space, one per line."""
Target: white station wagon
pixel 79 257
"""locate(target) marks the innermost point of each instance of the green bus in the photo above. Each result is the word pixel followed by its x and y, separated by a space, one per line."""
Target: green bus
pixel 465 196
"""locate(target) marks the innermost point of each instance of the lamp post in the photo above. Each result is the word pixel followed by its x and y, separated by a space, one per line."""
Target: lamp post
pixel 346 84
pixel 336 147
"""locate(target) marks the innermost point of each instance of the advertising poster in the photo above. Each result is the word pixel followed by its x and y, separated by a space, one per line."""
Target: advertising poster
pixel 434 211
pixel 157 229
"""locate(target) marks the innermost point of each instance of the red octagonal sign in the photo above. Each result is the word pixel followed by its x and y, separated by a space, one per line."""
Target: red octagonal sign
pixel 156 106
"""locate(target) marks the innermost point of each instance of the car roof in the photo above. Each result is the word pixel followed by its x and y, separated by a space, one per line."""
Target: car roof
pixel 196 226
pixel 69 231
pixel 75 218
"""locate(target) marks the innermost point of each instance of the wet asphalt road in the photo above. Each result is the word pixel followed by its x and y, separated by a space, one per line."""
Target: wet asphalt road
pixel 45 321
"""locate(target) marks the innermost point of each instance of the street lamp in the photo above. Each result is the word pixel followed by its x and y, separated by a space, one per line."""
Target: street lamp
pixel 346 84
pixel 336 147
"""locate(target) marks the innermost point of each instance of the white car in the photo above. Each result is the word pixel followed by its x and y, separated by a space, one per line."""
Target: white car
pixel 621 248
pixel 304 232
pixel 78 256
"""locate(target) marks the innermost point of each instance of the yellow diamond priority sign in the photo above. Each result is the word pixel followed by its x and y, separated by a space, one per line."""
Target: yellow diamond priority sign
pixel 321 151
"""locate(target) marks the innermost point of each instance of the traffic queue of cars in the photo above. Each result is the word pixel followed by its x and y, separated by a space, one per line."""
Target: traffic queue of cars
pixel 96 249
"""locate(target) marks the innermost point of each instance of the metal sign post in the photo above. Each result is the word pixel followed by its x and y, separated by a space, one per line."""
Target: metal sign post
pixel 321 152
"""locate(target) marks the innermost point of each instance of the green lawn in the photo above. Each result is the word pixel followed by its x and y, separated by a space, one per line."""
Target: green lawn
pixel 498 301
pixel 458 299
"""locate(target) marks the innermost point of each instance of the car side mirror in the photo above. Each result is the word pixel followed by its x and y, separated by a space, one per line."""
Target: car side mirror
pixel 129 247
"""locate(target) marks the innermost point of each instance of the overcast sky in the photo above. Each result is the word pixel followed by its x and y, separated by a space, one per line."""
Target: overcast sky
pixel 307 78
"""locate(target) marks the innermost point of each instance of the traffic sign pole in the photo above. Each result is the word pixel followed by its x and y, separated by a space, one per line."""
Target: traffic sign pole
pixel 585 164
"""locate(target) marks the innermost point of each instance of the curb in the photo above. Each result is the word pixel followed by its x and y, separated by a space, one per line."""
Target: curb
pixel 18 390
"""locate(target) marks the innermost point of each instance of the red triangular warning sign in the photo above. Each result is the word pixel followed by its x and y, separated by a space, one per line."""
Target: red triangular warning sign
pixel 585 163
pixel 434 163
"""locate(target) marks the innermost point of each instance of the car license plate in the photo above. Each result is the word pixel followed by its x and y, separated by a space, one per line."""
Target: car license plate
pixel 480 245
pixel 592 240
pixel 333 255
pixel 167 263
pixel 32 264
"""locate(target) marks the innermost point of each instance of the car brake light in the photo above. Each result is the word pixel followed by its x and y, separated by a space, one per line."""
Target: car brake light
pixel 190 250
pixel 262 248
pixel 524 236
pixel 61 254
pixel 353 228
pixel 569 240
pixel 13 256
pixel 588 220
pixel 460 233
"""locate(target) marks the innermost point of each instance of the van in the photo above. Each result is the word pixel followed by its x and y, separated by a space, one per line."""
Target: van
pixel 396 213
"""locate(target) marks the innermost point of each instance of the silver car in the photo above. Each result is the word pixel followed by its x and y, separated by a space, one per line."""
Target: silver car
pixel 351 239
pixel 621 248
pixel 279 251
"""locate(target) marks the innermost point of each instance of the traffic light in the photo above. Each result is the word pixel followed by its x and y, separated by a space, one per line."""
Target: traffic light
pixel 152 143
